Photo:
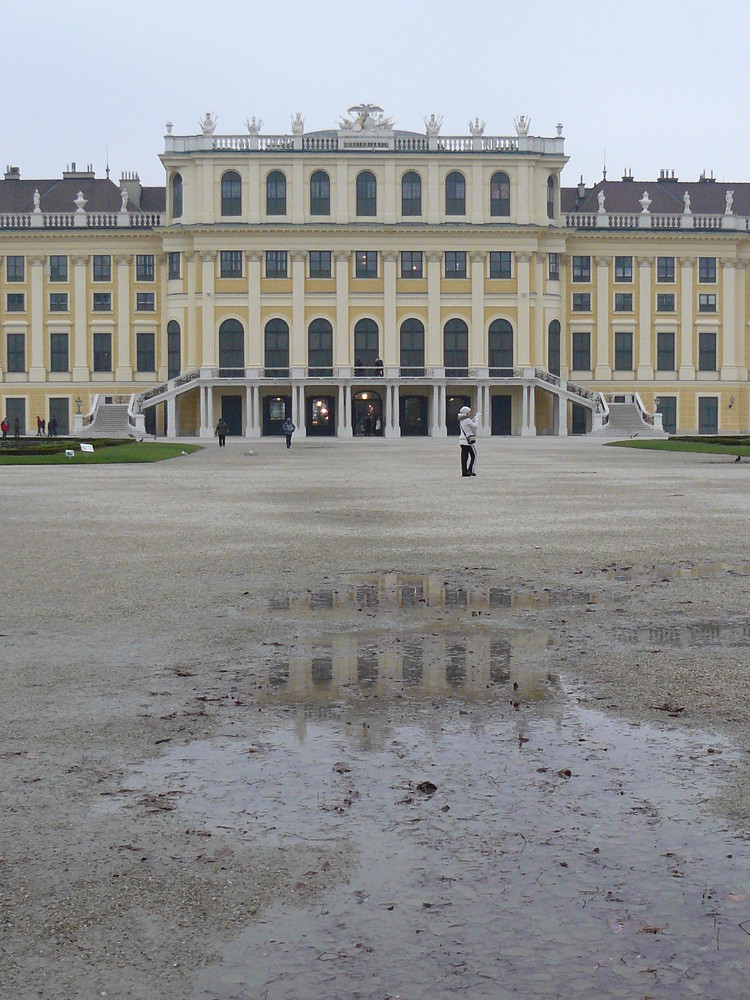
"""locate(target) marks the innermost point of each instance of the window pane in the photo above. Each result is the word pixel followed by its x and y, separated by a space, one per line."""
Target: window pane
pixel 412 347
pixel 500 346
pixel 707 352
pixel 102 352
pixel 174 349
pixel 277 347
pixel 231 194
pixel 58 352
pixel 320 193
pixel 14 268
pixel 455 263
pixel 455 194
pixel 456 348
pixel 102 267
pixel 320 263
pixel 411 194
pixel 58 268
pixel 553 348
pixel 500 195
pixel 174 265
pixel 581 268
pixel 665 352
pixel 500 264
pixel 623 352
pixel 276 193
pixel 102 302
pixel 366 194
pixel 665 269
pixel 232 346
pixel 276 264
pixel 144 267
pixel 16 352
pixel 230 264
pixel 411 264
pixel 623 268
pixel 58 302
pixel 145 352
pixel 320 347
pixel 582 352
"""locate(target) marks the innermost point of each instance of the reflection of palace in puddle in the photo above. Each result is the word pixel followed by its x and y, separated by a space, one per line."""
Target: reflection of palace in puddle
pixel 472 665
pixel 696 634
pixel 398 592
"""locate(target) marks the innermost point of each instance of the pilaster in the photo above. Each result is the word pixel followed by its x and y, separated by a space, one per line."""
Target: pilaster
pixel 123 366
pixel 80 353
pixel 730 370
pixel 298 352
pixel 434 344
pixel 687 360
pixel 645 370
pixel 341 337
pixel 477 338
pixel 208 339
pixel 524 332
pixel 254 353
pixel 537 352
pixel 389 347
pixel 192 340
pixel 36 368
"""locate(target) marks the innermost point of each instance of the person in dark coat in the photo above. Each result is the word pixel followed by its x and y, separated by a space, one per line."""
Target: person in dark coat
pixel 221 432
pixel 16 428
pixel 288 428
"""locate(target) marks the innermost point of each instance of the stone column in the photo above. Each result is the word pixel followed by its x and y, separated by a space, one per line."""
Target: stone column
pixel 729 367
pixel 172 418
pixel 645 369
pixel 253 352
pixel 208 336
pixel 741 329
pixel 192 338
pixel 160 346
pixel 36 368
pixel 602 366
pixel 389 347
pixel 687 361
pixel 298 345
pixel 257 429
pixel 123 364
pixel 80 351
pixel 523 350
pixel 341 336
pixel 562 417
pixel 344 411
pixel 477 335
pixel 434 339
pixel 565 347
pixel 537 350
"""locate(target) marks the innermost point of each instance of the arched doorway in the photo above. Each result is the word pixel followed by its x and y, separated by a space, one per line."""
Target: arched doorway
pixel 321 416
pixel 367 414
pixel 452 405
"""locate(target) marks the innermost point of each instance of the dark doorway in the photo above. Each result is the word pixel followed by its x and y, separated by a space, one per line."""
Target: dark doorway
pixel 452 405
pixel 149 420
pixel 367 414
pixel 413 416
pixel 275 411
pixel 578 419
pixel 708 415
pixel 321 416
pixel 231 411
pixel 60 410
pixel 501 415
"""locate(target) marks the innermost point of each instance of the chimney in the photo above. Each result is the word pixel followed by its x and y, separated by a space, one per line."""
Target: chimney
pixel 581 189
pixel 13 173
pixel 132 182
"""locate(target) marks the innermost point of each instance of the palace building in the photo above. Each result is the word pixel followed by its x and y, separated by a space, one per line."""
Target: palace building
pixel 369 280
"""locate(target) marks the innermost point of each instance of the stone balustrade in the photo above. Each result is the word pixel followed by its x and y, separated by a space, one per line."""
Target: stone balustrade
pixel 654 220
pixel 74 220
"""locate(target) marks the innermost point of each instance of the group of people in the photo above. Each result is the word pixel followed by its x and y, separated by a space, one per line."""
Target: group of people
pixel 43 428
pixel 5 428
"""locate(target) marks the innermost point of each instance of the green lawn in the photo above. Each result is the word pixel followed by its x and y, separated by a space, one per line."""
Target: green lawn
pixel 107 453
pixel 675 444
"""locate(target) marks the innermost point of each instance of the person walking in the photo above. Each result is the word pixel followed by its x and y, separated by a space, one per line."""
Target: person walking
pixel 467 439
pixel 52 427
pixel 5 427
pixel 39 432
pixel 288 428
pixel 221 432
pixel 16 428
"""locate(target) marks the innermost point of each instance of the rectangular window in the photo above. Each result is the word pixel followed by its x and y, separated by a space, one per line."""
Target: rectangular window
pixel 174 261
pixel 501 264
pixel 623 302
pixel 706 352
pixel 102 352
pixel 230 264
pixel 455 263
pixel 102 267
pixel 16 302
pixel 665 270
pixel 366 263
pixel 623 352
pixel 582 352
pixel 276 265
pixel 581 302
pixel 102 302
pixel 58 268
pixel 411 264
pixel 58 352
pixel 554 267
pixel 16 352
pixel 665 302
pixel 623 268
pixel 667 406
pixel 707 270
pixel 58 302
pixel 144 267
pixel 581 268
pixel 144 302
pixel 145 352
pixel 707 303
pixel 320 263
pixel 14 268
pixel 665 352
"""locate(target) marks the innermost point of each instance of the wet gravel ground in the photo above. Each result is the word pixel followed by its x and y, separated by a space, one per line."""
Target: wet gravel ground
pixel 231 681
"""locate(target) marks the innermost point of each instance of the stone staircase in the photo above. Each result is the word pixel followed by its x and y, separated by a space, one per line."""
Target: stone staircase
pixel 111 421
pixel 625 421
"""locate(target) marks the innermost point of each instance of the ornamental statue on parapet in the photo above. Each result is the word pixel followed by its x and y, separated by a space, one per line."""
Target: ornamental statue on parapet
pixel 208 123
pixel 365 118
pixel 432 124
pixel 522 124
pixel 254 126
pixel 476 127
pixel 298 124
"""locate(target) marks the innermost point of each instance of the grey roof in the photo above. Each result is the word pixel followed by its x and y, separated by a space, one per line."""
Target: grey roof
pixel 153 199
pixel 59 194
pixel 706 196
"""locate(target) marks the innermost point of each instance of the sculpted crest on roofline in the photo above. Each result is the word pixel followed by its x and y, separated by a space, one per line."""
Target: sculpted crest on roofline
pixel 366 118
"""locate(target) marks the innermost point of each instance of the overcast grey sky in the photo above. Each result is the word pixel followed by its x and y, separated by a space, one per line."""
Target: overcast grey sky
pixel 659 84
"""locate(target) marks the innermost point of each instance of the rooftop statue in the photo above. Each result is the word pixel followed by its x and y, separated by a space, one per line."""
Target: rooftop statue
pixel 729 203
pixel 208 123
pixel 37 201
pixel 254 126
pixel 645 201
pixel 366 118
pixel 476 127
pixel 686 202
pixel 124 196
pixel 298 124
pixel 600 199
pixel 432 124
pixel 522 124
pixel 80 202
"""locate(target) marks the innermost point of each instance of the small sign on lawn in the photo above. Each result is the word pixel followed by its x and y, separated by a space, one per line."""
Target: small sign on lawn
pixel 87 447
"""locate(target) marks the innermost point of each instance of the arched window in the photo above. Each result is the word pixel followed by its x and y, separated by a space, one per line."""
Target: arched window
pixel 455 194
pixel 501 349
pixel 276 193
pixel 550 197
pixel 320 193
pixel 500 194
pixel 365 347
pixel 412 347
pixel 177 196
pixel 456 348
pixel 411 193
pixel 277 348
pixel 232 347
pixel 367 193
pixel 174 349
pixel 553 348
pixel 320 348
pixel 231 193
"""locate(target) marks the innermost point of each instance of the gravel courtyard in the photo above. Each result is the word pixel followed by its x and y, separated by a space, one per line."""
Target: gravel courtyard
pixel 332 722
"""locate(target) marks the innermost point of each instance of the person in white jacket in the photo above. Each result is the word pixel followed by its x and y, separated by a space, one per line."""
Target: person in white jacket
pixel 467 439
